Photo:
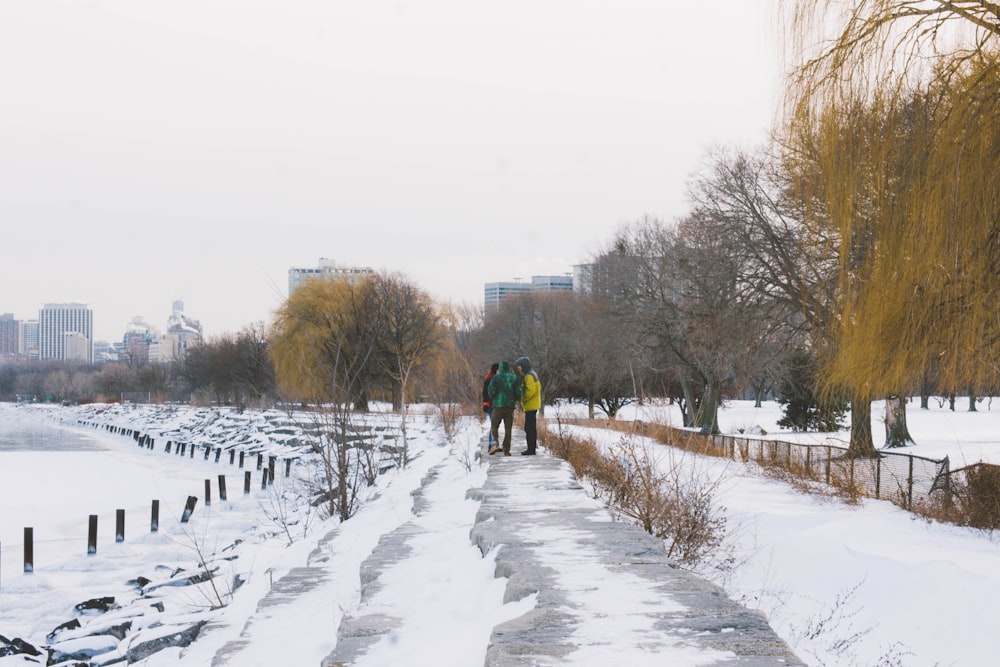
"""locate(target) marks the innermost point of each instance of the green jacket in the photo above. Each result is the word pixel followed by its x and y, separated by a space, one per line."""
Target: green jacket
pixel 505 387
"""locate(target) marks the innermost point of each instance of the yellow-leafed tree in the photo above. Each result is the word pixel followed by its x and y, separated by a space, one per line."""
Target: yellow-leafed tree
pixel 899 104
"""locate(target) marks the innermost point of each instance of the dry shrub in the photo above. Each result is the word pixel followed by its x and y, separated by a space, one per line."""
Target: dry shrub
pixel 977 500
pixel 580 453
pixel 675 503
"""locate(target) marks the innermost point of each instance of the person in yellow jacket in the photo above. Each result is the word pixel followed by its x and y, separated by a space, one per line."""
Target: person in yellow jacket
pixel 531 402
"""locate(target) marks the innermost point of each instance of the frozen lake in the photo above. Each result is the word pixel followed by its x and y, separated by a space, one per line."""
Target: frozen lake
pixel 26 437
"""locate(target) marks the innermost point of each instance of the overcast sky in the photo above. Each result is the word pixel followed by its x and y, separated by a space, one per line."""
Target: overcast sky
pixel 196 150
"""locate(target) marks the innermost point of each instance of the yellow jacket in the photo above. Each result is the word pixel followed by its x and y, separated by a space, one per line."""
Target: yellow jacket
pixel 531 399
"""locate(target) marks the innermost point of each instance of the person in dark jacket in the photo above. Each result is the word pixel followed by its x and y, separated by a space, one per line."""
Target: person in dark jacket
pixel 531 402
pixel 505 392
pixel 487 401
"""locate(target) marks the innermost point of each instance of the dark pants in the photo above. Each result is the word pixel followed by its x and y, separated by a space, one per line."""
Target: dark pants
pixel 531 429
pixel 505 415
pixel 489 415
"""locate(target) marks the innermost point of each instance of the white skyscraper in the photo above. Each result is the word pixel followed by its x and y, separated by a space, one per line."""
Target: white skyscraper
pixel 326 268
pixel 55 320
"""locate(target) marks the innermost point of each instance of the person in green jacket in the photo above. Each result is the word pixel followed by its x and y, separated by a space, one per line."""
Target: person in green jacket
pixel 505 391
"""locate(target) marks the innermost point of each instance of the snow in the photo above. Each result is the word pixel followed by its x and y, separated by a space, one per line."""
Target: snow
pixel 862 584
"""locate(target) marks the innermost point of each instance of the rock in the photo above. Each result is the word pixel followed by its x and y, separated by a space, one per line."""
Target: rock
pixel 71 624
pixel 99 605
pixel 82 648
pixel 151 640
pixel 16 646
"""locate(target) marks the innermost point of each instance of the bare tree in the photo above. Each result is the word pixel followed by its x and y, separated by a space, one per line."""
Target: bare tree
pixel 409 333
pixel 789 254
pixel 680 287
pixel 254 371
pixel 603 372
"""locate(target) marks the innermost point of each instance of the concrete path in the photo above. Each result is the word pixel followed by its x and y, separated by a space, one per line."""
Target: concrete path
pixel 658 607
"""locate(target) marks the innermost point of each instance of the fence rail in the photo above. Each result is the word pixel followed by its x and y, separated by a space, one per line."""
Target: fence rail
pixel 904 479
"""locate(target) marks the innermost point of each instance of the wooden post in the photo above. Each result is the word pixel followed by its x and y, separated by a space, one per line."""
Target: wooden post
pixel 260 461
pixel 154 520
pixel 909 486
pixel 119 525
pixel 183 449
pixel 263 480
pixel 208 450
pixel 168 447
pixel 208 492
pixel 189 508
pixel 218 453
pixel 242 454
pixel 878 477
pixel 29 550
pixel 288 467
pixel 92 535
pixel 232 456
pixel 246 482
pixel 222 487
pixel 192 450
pixel 270 468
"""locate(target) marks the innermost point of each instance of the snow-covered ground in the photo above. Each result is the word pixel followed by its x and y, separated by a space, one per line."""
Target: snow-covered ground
pixel 865 584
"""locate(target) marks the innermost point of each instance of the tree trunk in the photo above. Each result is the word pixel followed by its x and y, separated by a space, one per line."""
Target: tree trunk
pixel 972 401
pixel 758 392
pixel 397 395
pixel 862 446
pixel 687 410
pixel 590 408
pixel 708 409
pixel 896 432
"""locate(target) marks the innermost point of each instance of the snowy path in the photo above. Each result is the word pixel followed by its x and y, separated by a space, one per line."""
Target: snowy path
pixel 453 590
pixel 579 588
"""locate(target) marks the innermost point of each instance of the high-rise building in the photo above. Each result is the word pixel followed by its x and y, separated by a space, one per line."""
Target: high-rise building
pixel 55 320
pixel 10 335
pixel 76 347
pixel 495 293
pixel 326 268
pixel 29 338
pixel 562 283
pixel 183 331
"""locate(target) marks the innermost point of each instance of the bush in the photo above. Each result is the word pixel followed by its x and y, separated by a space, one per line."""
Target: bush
pixel 673 502
pixel 980 499
pixel 803 408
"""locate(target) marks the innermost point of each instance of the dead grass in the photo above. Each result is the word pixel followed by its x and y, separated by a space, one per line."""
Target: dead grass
pixel 973 499
pixel 674 502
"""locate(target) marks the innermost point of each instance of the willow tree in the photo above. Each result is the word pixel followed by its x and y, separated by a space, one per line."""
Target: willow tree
pixel 323 342
pixel 898 103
